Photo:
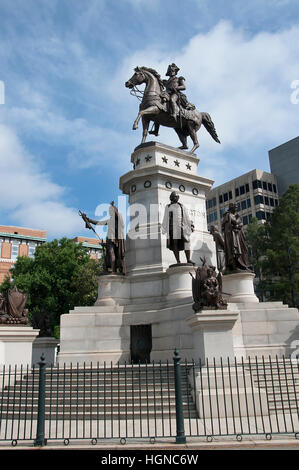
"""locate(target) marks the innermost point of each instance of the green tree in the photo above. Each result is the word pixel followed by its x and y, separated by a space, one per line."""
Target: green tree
pixel 60 276
pixel 256 237
pixel 281 263
pixel 274 250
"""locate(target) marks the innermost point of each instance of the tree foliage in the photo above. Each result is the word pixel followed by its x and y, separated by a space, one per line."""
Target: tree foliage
pixel 276 248
pixel 60 276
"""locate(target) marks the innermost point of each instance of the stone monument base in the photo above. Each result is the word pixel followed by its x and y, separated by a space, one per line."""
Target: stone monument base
pixel 46 346
pixel 16 345
pixel 212 334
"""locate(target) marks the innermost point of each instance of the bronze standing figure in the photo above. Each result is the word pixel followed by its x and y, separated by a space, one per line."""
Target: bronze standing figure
pixel 114 247
pixel 236 251
pixel 178 227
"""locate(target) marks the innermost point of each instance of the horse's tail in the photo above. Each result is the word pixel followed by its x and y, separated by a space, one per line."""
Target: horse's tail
pixel 209 125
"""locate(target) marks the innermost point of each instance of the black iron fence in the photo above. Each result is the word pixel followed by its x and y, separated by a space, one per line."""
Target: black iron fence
pixel 179 400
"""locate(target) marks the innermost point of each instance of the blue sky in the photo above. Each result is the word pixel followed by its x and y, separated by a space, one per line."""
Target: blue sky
pixel 66 125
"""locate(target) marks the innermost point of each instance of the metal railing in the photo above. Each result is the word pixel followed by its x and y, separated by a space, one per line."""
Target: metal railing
pixel 179 399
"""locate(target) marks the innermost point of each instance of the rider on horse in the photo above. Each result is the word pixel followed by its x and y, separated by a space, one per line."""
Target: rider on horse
pixel 173 94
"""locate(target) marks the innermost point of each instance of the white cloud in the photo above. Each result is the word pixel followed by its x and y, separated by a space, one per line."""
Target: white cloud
pixel 28 194
pixel 55 217
pixel 244 82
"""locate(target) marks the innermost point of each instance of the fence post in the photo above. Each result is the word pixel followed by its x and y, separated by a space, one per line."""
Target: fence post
pixel 40 431
pixel 180 429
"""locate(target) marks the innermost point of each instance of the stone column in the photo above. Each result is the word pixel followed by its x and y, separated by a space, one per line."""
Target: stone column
pixel 179 281
pixel 240 287
pixel 113 289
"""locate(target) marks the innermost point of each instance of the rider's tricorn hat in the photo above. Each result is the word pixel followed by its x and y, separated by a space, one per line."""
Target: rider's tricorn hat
pixel 172 66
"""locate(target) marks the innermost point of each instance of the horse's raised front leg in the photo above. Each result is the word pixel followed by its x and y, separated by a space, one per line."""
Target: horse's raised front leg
pixel 150 110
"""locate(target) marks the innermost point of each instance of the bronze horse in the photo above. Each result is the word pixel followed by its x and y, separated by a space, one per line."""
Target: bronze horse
pixel 153 107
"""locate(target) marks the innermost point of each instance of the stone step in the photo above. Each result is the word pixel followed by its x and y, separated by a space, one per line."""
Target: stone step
pixel 86 407
pixel 63 417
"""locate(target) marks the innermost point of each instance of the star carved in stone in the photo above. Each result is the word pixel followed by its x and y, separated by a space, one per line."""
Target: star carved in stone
pixel 188 166
pixel 177 163
pixel 148 158
pixel 164 159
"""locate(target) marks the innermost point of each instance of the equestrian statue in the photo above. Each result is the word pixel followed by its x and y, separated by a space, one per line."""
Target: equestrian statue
pixel 163 102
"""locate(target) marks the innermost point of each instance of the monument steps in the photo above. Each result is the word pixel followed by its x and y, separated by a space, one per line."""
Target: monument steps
pixel 280 379
pixel 136 392
pixel 83 394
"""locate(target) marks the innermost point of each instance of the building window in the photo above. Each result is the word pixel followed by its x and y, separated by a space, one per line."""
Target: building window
pixel 271 201
pixel 269 186
pixel 268 214
pixel 225 197
pixel 247 187
pixel 256 184
pixel 242 189
pixel 230 195
pixel 237 192
pixel 238 206
pixel 249 217
pixel 248 203
pixel 14 250
pixel 265 185
pixel 220 199
pixel 214 202
pixel 245 220
pixel 31 250
pixel 274 188
pixel 243 205
pixel 260 215
pixel 266 200
pixel 276 202
pixel 258 199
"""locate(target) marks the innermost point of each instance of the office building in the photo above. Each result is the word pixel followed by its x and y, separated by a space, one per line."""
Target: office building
pixel 284 164
pixel 255 194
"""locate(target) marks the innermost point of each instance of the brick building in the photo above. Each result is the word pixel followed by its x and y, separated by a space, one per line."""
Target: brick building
pixel 17 241
pixel 93 244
